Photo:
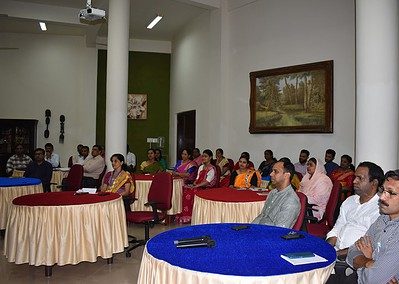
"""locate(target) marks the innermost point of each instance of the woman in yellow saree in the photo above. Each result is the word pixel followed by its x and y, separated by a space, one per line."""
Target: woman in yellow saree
pixel 119 180
pixel 245 177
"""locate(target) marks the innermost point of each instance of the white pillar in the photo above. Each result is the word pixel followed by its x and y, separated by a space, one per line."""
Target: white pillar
pixel 117 78
pixel 377 82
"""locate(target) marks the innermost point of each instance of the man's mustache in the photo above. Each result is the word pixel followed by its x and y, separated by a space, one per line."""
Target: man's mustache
pixel 383 202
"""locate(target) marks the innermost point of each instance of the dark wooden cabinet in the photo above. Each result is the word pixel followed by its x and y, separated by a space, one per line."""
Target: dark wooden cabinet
pixel 13 132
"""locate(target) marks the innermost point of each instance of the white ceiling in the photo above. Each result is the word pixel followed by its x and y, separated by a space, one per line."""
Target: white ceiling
pixel 22 16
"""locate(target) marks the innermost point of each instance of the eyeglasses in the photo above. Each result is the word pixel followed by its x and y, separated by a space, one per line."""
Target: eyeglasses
pixel 389 192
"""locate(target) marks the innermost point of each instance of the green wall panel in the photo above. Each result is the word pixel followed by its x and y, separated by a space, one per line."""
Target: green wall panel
pixel 149 73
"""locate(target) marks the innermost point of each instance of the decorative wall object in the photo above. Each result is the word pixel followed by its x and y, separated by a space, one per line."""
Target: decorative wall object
pixel 62 121
pixel 47 114
pixel 295 99
pixel 137 106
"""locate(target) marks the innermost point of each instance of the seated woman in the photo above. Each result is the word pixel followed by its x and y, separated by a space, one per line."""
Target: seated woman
pixel 185 168
pixel 224 166
pixel 151 166
pixel 266 166
pixel 345 173
pixel 160 159
pixel 206 178
pixel 250 164
pixel 119 180
pixel 316 185
pixel 245 177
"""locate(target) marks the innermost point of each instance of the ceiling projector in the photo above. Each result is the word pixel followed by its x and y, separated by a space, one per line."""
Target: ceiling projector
pixel 91 14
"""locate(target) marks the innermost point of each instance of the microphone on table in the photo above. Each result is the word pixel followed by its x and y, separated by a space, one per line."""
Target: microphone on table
pixel 204 241
pixel 190 240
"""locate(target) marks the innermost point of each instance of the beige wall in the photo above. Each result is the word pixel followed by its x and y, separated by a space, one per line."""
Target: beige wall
pixel 257 36
pixel 51 72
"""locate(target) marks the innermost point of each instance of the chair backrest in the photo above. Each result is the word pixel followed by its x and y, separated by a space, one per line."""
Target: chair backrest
pixel 231 164
pixel 161 191
pixel 70 162
pixel 303 201
pixel 74 178
pixel 218 174
pixel 332 204
pixel 299 175
pixel 101 176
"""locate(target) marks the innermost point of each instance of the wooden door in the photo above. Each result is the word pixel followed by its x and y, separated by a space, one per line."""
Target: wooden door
pixel 185 131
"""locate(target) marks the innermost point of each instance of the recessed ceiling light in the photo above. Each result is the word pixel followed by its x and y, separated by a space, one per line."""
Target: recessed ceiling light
pixel 43 26
pixel 154 22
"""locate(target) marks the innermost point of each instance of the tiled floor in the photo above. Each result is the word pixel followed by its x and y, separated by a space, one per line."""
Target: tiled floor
pixel 123 270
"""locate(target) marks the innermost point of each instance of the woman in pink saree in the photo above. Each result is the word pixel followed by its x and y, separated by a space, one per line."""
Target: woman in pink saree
pixel 185 168
pixel 316 185
pixel 206 178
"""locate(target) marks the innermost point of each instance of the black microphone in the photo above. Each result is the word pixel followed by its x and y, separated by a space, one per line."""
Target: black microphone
pixel 192 240
pixel 209 243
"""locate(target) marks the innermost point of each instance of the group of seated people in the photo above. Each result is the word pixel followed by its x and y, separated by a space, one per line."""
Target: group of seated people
pixel 365 234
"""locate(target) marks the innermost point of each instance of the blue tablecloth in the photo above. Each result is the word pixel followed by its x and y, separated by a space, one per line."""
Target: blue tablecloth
pixel 7 182
pixel 250 252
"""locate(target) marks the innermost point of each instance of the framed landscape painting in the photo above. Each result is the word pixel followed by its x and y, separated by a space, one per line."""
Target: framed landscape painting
pixel 295 99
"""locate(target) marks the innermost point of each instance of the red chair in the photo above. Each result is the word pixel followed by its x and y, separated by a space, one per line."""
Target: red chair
pixel 218 174
pixel 231 165
pixel 73 181
pixel 100 178
pixel 299 175
pixel 302 200
pixel 159 198
pixel 70 162
pixel 322 227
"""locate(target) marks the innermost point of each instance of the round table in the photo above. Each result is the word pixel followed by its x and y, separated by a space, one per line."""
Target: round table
pixel 251 255
pixel 226 205
pixel 14 187
pixel 63 228
pixel 56 178
pixel 143 183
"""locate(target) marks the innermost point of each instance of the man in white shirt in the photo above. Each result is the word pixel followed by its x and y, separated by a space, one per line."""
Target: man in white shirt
pixel 93 167
pixel 301 166
pixel 51 157
pixel 130 160
pixel 357 213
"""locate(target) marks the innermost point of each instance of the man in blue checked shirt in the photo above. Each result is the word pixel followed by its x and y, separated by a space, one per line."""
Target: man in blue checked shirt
pixel 375 255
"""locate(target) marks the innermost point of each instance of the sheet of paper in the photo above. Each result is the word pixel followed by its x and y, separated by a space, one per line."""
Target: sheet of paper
pixel 305 260
pixel 87 189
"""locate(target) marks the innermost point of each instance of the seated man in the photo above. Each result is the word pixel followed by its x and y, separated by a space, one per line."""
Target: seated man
pixel 76 159
pixel 41 169
pixel 329 158
pixel 81 157
pixel 301 166
pixel 93 167
pixel 375 255
pixel 356 215
pixel 19 161
pixel 282 204
pixel 52 158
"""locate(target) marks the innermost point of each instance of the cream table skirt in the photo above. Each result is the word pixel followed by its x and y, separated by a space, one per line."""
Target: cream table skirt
pixel 7 194
pixel 48 235
pixel 209 211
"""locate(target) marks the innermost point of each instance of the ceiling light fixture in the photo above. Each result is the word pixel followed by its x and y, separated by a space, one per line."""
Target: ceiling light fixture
pixel 154 22
pixel 43 26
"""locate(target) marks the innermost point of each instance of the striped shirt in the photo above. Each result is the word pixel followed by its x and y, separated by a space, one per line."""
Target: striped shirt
pixel 384 235
pixel 16 162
